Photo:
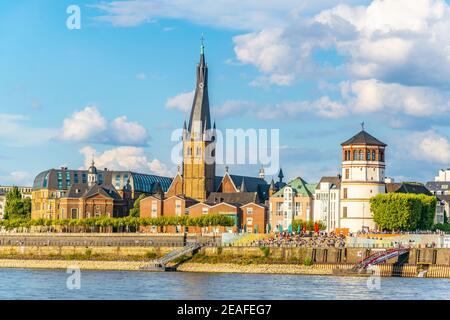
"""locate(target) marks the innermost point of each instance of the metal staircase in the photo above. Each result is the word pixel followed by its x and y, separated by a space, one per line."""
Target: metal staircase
pixel 161 264
pixel 377 258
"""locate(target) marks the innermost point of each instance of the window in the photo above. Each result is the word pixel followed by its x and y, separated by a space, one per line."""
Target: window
pixel 177 207
pixel 347 174
pixel 298 208
pixel 198 152
pixel 344 212
pixel 355 154
pixel 345 193
pixel 154 212
pixel 361 155
pixel 189 151
pixel 249 210
pixel 381 156
pixel 279 208
pixel 74 213
pixel 205 210
pixel 373 155
pixel 75 177
pixel 368 155
pixel 249 221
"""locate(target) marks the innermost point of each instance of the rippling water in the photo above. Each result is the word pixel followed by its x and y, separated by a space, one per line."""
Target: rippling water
pixel 51 284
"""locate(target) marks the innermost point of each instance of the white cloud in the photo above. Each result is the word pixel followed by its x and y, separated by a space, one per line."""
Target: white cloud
pixel 127 132
pixel 84 125
pixel 88 125
pixel 16 131
pixel 182 101
pixel 366 96
pixel 17 178
pixel 393 41
pixel 141 76
pixel 124 158
pixel 429 146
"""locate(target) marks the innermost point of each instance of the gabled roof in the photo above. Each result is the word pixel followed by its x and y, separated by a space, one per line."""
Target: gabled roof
pixel 81 190
pixel 232 197
pixel 252 184
pixel 407 187
pixel 364 138
pixel 299 186
pixel 335 181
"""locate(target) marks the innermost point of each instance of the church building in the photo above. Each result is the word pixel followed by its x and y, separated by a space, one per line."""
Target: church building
pixel 197 190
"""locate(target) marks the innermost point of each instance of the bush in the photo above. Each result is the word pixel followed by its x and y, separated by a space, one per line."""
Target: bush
pixel 266 251
pixel 308 261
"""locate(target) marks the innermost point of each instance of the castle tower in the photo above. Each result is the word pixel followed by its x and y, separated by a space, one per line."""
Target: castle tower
pixel 199 167
pixel 363 174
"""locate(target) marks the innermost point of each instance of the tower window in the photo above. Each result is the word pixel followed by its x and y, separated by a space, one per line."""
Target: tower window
pixel 355 154
pixel 361 155
pixel 347 174
pixel 368 155
pixel 373 155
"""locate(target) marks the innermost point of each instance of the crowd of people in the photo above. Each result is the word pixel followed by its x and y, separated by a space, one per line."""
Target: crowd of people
pixel 302 240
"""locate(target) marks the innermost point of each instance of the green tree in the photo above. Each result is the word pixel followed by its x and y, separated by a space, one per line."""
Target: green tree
pixel 16 207
pixel 136 210
pixel 401 211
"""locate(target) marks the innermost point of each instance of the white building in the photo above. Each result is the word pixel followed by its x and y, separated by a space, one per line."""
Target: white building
pixel 443 175
pixel 363 175
pixel 327 202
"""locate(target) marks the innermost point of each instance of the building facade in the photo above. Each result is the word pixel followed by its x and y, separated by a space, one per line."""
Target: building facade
pixel 294 201
pixel 327 202
pixel 363 175
pixel 64 193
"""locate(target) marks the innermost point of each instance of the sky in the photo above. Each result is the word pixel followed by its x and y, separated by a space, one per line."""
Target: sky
pixel 116 88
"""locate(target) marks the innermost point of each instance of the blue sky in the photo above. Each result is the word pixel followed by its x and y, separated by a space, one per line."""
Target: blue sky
pixel 120 85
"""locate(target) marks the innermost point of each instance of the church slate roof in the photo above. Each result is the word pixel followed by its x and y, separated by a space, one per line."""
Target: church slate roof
pixel 364 138
pixel 252 184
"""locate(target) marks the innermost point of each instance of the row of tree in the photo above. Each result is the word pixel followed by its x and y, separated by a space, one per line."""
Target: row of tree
pixel 133 222
pixel 403 211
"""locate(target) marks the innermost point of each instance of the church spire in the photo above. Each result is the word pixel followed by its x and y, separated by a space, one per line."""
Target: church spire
pixel 200 119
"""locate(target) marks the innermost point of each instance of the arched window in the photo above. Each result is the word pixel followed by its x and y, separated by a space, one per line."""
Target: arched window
pixel 198 151
pixel 361 155
pixel 368 155
pixel 373 155
pixel 355 154
pixel 381 156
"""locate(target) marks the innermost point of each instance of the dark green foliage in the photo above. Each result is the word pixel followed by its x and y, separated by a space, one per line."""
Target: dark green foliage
pixel 16 207
pixel 136 210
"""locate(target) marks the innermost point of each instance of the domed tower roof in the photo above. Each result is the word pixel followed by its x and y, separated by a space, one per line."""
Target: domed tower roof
pixel 92 168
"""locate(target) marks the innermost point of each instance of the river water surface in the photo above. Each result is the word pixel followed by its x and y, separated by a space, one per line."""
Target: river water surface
pixel 52 284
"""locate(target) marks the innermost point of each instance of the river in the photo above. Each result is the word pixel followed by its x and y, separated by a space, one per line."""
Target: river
pixel 52 284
